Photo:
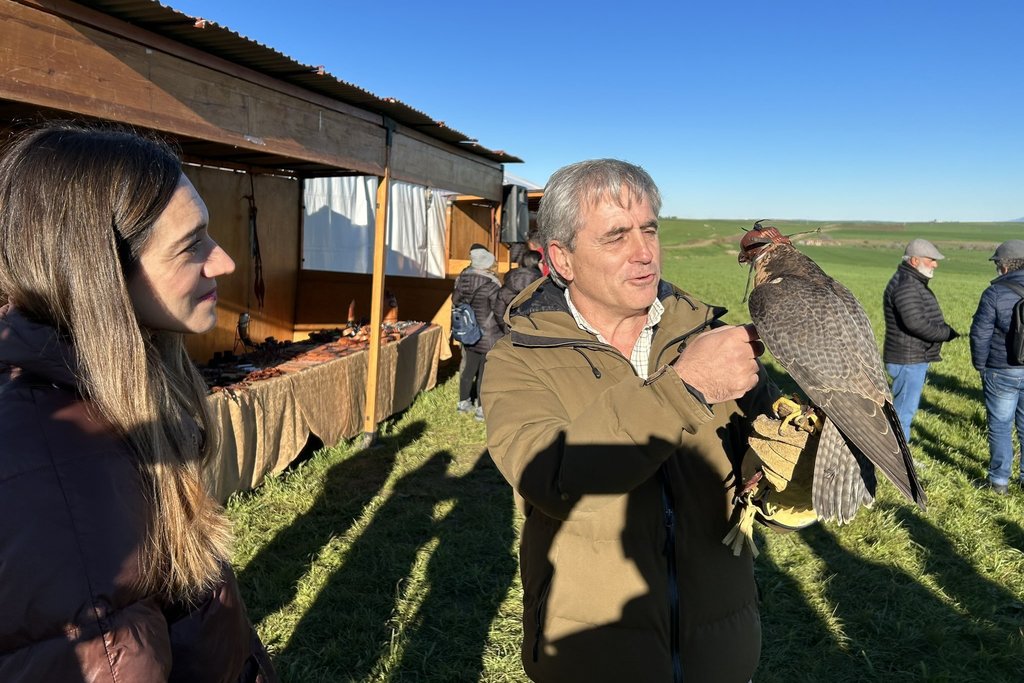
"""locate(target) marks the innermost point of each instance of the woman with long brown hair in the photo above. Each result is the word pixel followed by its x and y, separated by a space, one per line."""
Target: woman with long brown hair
pixel 113 557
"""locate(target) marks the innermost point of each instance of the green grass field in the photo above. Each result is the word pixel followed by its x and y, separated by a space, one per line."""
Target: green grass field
pixel 399 563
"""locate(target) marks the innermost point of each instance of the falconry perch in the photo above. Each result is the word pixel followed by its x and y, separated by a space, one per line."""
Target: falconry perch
pixel 818 331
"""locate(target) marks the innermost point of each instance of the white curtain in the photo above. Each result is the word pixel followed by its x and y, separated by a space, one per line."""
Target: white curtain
pixel 338 224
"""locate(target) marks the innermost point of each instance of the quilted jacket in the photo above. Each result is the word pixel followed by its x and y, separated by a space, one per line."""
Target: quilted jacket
pixel 74 514
pixel 479 288
pixel 914 326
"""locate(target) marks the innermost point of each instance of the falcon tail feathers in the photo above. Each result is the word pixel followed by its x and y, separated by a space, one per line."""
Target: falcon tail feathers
pixel 844 479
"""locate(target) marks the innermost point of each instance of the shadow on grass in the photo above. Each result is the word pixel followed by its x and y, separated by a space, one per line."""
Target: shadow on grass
pixel 269 580
pixel 896 628
pixel 974 466
pixel 1013 534
pixel 955 385
pixel 417 591
pixel 790 625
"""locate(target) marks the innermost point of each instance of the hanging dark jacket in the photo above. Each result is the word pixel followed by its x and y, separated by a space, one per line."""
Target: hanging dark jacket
pixel 479 288
pixel 516 281
pixel 914 326
pixel 75 512
pixel 627 487
pixel 992 321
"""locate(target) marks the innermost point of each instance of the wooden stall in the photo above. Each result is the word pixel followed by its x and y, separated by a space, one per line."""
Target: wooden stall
pixel 251 123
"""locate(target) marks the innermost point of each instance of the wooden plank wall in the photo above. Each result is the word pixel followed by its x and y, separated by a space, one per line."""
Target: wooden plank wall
pixel 278 205
pixel 324 297
pixel 470 222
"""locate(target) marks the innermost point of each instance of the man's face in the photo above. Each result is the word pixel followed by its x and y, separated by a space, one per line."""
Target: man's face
pixel 924 265
pixel 613 274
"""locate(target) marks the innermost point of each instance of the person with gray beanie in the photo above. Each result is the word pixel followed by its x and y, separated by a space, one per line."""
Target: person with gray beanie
pixel 914 327
pixel 479 287
pixel 1002 377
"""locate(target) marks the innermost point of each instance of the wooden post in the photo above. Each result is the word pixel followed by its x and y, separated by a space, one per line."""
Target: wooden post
pixel 377 293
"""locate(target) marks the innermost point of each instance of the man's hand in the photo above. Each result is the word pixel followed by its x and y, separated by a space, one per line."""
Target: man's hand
pixel 722 363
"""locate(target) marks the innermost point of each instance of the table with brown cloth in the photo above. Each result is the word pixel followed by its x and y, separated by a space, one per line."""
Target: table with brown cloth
pixel 265 424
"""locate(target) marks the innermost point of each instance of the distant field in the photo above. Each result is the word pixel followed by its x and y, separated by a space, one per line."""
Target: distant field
pixel 684 232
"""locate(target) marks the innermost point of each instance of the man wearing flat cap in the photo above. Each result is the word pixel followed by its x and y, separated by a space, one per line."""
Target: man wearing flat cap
pixel 1002 379
pixel 914 327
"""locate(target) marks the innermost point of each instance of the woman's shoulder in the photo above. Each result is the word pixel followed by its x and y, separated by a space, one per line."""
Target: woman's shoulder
pixel 47 426
pixel 69 487
pixel 75 517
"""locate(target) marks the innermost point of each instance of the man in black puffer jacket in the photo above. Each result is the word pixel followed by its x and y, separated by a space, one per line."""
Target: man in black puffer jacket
pixel 914 327
pixel 477 286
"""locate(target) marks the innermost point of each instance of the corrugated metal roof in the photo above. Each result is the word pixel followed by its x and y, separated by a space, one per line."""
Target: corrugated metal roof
pixel 229 45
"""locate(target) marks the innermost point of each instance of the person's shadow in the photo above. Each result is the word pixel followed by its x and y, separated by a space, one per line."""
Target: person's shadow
pixel 886 614
pixel 269 580
pixel 426 576
pixel 614 619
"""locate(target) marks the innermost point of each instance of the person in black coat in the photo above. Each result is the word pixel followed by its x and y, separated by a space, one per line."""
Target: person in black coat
pixel 914 327
pixel 1002 379
pixel 516 281
pixel 477 286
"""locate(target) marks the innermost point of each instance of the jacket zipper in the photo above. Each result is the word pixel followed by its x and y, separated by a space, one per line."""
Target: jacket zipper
pixel 669 520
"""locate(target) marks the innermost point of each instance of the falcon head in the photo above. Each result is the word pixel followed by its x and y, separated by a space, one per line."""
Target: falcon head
pixel 757 239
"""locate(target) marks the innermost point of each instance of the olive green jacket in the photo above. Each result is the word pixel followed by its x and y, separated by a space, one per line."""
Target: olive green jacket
pixel 626 486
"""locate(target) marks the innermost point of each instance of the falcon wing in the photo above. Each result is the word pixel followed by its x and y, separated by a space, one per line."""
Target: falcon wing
pixel 819 332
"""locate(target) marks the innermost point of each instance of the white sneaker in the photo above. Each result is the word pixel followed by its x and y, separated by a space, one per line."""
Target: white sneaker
pixel 464 406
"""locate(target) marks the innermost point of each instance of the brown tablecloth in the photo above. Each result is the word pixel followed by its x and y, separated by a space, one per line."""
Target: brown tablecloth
pixel 264 425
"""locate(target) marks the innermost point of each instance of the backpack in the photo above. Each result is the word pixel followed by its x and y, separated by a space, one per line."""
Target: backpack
pixel 1015 336
pixel 465 329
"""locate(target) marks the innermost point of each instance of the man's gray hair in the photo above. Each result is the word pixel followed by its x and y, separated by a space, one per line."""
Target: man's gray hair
pixel 573 189
pixel 1010 264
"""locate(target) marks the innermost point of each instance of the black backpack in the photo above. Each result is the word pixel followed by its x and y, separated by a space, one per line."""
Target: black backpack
pixel 1015 336
pixel 465 329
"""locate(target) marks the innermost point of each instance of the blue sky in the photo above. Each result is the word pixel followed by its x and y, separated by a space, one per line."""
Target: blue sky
pixel 892 110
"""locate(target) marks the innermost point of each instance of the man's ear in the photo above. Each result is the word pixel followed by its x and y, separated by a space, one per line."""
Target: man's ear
pixel 561 260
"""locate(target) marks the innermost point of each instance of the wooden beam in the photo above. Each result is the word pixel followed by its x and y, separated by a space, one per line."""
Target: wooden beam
pixel 58 55
pixel 79 13
pixel 377 298
pixel 418 162
pixel 51 62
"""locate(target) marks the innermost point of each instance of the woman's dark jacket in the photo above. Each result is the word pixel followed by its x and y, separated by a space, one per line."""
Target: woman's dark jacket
pixel 992 322
pixel 914 326
pixel 516 281
pixel 74 515
pixel 479 288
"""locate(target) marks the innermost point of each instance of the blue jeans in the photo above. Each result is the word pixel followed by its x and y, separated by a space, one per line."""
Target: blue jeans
pixel 1004 388
pixel 907 385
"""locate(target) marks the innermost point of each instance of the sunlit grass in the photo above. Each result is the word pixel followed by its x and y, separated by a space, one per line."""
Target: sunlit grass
pixel 399 563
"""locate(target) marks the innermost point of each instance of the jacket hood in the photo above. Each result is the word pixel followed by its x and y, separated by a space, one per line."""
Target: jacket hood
pixel 35 348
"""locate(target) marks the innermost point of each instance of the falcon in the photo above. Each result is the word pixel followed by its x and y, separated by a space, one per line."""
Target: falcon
pixel 818 331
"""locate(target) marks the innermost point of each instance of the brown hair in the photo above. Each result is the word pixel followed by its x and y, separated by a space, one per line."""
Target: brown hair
pixel 77 207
